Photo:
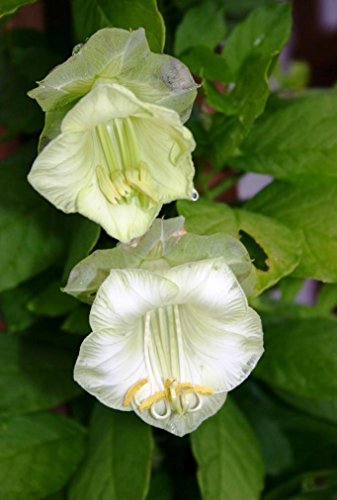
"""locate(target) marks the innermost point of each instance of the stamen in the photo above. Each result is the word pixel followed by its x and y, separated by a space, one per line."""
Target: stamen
pixel 157 415
pixel 200 389
pixel 106 185
pixel 120 183
pixel 140 179
pixel 189 387
pixel 197 405
pixel 148 402
pixel 131 393
pixel 110 151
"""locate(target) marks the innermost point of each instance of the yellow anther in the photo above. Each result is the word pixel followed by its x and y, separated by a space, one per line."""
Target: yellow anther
pixel 141 180
pixel 106 185
pixel 120 183
pixel 148 402
pixel 201 389
pixel 189 387
pixel 133 391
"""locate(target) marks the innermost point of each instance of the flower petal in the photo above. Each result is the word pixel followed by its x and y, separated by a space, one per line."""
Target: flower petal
pixel 123 221
pixel 163 144
pixel 126 295
pixel 112 358
pixel 166 148
pixel 109 363
pixel 102 104
pixel 62 169
pixel 218 354
pixel 184 424
pixel 212 286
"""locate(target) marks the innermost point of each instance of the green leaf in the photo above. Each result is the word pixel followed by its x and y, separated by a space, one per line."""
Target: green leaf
pixel 32 238
pixel 327 298
pixel 290 440
pixel 24 58
pixel 10 6
pixel 84 236
pixel 33 376
pixel 207 217
pixel 208 64
pixel 300 356
pixel 289 288
pixel 296 136
pixel 249 54
pixel 92 15
pixel 280 245
pixel 38 455
pixel 309 209
pixel 202 25
pixel 13 304
pixel 322 408
pixel 262 33
pixel 275 249
pixel 52 302
pixel 228 456
pixel 312 485
pixel 119 458
pixel 78 321
pixel 237 9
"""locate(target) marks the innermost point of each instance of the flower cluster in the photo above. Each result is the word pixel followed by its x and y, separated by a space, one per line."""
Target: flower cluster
pixel 172 331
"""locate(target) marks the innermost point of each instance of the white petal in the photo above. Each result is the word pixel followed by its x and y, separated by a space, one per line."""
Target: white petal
pixel 184 424
pixel 126 295
pixel 166 148
pixel 124 221
pixel 109 363
pixel 62 169
pixel 220 355
pixel 210 284
pixel 101 105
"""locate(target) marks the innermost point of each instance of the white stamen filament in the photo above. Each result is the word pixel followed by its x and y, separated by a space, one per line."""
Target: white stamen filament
pixel 163 351
pixel 121 173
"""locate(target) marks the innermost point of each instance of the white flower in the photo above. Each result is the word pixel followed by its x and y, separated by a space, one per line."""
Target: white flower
pixel 169 345
pixel 116 161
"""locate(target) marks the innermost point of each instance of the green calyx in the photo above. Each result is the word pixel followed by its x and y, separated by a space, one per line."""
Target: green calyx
pixel 116 56
pixel 164 246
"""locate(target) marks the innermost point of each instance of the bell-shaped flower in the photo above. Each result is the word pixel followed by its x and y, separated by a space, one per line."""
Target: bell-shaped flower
pixel 116 161
pixel 169 345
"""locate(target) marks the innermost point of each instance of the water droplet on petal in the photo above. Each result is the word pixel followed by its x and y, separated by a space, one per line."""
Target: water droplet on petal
pixel 77 48
pixel 195 195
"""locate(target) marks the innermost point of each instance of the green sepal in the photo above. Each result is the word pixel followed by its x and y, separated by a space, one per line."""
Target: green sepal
pixel 165 245
pixel 119 56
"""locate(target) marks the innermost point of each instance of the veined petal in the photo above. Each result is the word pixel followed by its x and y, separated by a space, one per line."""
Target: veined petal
pixel 126 295
pixel 123 221
pixel 212 286
pixel 162 145
pixel 166 149
pixel 220 354
pixel 62 169
pixel 116 161
pixel 105 102
pixel 184 424
pixel 109 363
